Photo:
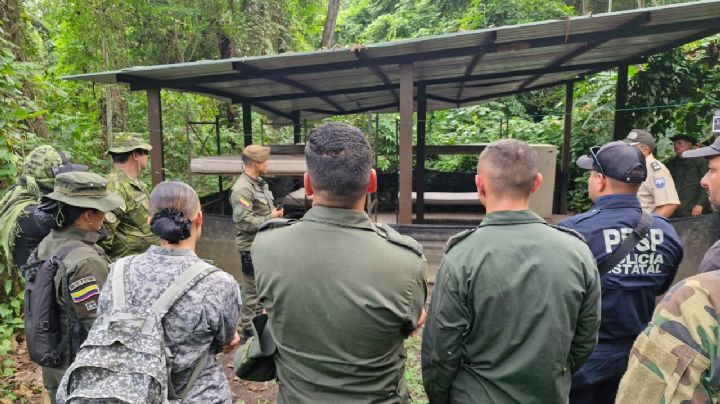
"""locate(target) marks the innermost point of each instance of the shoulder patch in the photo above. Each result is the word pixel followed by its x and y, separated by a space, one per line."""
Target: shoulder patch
pixel 656 165
pixel 275 223
pixel 568 231
pixel 110 217
pixel 659 182
pixel 391 235
pixel 458 238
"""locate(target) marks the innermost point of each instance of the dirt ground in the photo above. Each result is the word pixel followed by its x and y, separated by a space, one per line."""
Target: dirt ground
pixel 27 381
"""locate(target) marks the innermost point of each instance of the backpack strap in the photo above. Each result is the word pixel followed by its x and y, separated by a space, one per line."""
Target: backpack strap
pixel 642 228
pixel 197 271
pixel 180 285
pixel 118 283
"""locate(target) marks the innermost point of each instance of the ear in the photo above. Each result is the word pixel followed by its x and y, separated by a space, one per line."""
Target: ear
pixel 538 182
pixel 199 219
pixel 372 186
pixel 480 185
pixel 88 215
pixel 308 186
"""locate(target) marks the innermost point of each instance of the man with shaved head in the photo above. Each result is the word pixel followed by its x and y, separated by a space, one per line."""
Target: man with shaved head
pixel 516 304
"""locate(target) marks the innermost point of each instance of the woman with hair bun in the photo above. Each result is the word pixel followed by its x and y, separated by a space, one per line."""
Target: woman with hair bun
pixel 203 321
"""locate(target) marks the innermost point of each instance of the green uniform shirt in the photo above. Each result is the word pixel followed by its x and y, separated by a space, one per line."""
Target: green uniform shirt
pixel 687 174
pixel 128 229
pixel 87 269
pixel 252 204
pixel 515 310
pixel 342 294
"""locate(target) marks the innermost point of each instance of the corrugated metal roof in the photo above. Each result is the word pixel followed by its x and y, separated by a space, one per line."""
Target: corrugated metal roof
pixel 457 69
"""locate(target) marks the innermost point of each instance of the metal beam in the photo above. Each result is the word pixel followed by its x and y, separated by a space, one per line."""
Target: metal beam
pixel 636 22
pixel 405 144
pixel 420 154
pixel 361 54
pixel 468 72
pixel 156 136
pixel 247 72
pixel 297 130
pixel 247 123
pixel 291 83
pixel 621 87
pixel 565 158
pixel 234 98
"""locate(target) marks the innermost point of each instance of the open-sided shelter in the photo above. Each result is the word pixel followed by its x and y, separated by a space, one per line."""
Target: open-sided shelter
pixel 438 72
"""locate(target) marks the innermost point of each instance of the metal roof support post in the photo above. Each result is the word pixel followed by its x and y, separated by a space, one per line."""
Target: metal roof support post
pixel 565 159
pixel 406 138
pixel 420 154
pixel 620 97
pixel 156 135
pixel 297 129
pixel 247 123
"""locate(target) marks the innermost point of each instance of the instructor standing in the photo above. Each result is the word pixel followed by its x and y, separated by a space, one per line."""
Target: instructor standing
pixel 252 204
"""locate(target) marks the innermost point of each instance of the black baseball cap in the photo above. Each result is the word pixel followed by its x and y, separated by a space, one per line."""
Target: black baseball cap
pixel 618 160
pixel 690 138
pixel 707 151
pixel 640 136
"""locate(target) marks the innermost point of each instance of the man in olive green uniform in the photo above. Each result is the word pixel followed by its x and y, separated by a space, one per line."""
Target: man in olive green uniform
pixel 516 303
pixel 252 204
pixel 127 226
pixel 657 193
pixel 341 292
pixel 77 204
pixel 687 174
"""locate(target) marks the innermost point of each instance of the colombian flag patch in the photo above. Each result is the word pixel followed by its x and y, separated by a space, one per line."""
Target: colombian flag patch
pixel 85 293
pixel 244 202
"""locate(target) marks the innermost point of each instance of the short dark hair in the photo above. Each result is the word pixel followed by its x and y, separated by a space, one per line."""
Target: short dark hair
pixel 246 160
pixel 68 214
pixel 511 166
pixel 121 158
pixel 339 161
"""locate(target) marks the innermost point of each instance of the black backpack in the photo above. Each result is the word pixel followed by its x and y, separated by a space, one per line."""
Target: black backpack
pixel 45 343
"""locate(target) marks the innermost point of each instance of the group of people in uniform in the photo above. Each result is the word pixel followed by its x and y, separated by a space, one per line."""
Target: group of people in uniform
pixel 522 310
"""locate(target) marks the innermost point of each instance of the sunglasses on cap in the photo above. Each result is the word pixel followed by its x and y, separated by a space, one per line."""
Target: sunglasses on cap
pixel 593 154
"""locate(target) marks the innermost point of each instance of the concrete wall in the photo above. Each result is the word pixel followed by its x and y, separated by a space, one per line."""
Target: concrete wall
pixel 218 242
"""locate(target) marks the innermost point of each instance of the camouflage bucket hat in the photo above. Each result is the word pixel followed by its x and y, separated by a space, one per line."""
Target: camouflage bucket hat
pixel 85 190
pixel 40 163
pixel 125 142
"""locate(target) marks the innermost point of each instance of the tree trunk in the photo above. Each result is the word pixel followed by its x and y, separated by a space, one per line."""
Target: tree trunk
pixel 330 21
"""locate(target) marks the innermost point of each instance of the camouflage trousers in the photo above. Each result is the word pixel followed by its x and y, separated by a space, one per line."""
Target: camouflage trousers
pixel 51 380
pixel 250 305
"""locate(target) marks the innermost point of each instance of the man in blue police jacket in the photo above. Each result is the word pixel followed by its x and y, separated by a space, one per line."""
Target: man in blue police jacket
pixel 629 290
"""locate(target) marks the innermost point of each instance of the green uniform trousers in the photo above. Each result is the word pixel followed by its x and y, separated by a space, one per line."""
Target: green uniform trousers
pixel 250 305
pixel 51 380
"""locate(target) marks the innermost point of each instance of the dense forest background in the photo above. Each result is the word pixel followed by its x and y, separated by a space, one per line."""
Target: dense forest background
pixel 43 40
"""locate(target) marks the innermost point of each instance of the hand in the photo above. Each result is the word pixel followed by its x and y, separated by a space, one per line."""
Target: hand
pixel 278 213
pixel 697 210
pixel 421 322
pixel 235 341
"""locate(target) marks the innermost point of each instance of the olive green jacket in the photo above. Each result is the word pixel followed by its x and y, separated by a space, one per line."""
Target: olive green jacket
pixel 252 204
pixel 515 310
pixel 127 226
pixel 687 174
pixel 342 294
pixel 86 268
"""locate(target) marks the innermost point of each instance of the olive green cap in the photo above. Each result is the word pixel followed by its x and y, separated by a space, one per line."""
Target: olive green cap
pixel 257 153
pixel 124 142
pixel 85 190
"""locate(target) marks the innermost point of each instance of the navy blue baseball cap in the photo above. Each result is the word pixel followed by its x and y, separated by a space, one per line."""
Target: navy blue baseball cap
pixel 617 160
pixel 707 151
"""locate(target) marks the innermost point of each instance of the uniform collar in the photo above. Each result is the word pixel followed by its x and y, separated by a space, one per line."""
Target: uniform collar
pixel 339 217
pixel 616 201
pixel 156 249
pixel 259 182
pixel 134 181
pixel 649 159
pixel 503 217
pixel 73 233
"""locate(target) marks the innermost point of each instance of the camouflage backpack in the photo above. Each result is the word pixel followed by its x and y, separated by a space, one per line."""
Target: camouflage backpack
pixel 124 358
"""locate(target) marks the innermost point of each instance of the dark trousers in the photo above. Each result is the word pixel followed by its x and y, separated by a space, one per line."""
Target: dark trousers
pixel 603 392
